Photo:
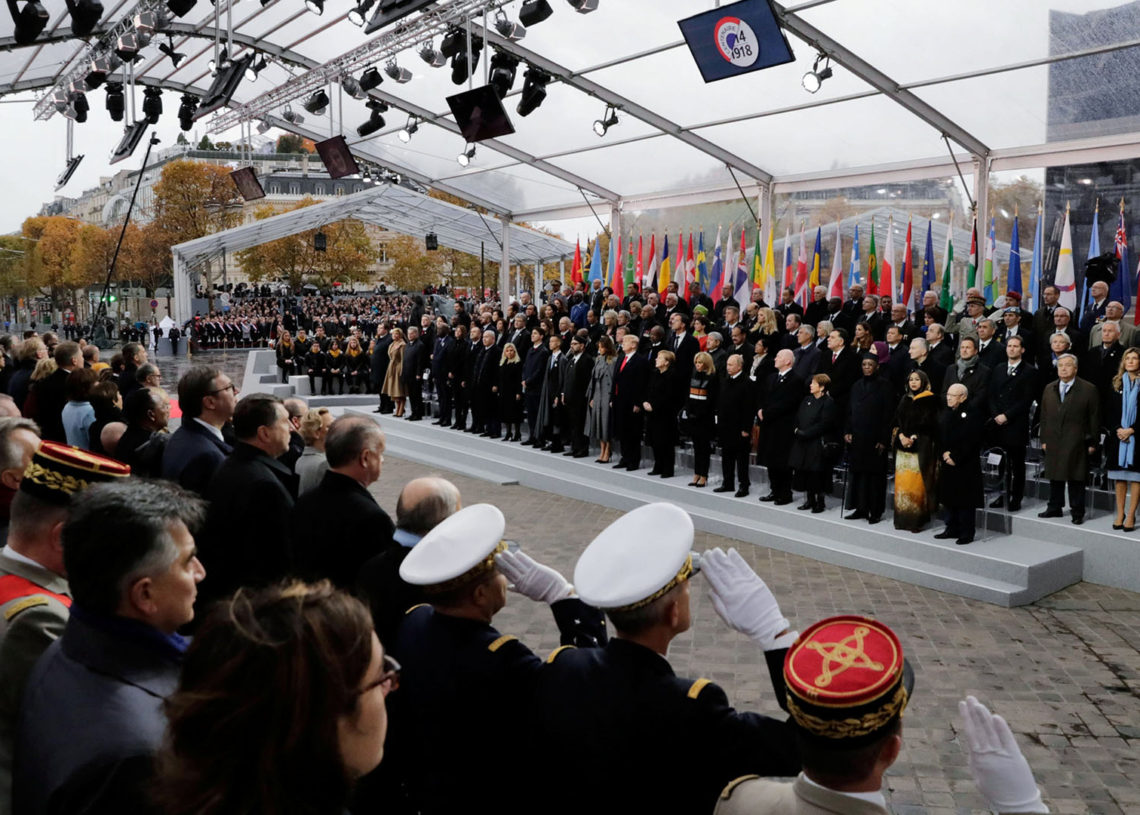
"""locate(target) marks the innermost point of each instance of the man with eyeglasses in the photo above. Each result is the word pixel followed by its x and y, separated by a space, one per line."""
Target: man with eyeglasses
pixel 197 449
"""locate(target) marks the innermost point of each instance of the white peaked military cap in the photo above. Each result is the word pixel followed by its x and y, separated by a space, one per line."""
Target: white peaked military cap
pixel 636 559
pixel 460 549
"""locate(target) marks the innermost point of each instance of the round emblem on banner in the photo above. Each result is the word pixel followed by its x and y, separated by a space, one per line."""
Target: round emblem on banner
pixel 736 41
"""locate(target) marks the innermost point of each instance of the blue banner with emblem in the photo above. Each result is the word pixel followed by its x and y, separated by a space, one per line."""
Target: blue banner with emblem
pixel 736 39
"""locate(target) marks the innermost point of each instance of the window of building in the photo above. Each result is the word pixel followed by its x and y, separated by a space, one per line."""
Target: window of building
pixel 319 189
pixel 294 188
pixel 274 189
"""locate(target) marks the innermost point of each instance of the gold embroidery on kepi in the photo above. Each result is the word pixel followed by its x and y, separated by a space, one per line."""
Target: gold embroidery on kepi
pixel 681 576
pixel 844 655
pixel 56 472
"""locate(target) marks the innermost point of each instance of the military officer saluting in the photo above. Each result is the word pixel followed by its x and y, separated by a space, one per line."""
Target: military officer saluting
pixel 653 741
pixel 451 727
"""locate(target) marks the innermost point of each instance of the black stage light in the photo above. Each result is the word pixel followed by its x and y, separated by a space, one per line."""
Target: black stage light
pixel 370 79
pixel 608 120
pixel 292 116
pixel 465 157
pixel 534 12
pixel 511 30
pixel 503 69
pixel 221 62
pixel 186 111
pixel 255 68
pixel 79 103
pixel 85 15
pixel 315 6
pixel 116 104
pixel 317 104
pixel 454 41
pixel 409 130
pixel 433 57
pixel 431 242
pixel 375 120
pixel 97 74
pixel 459 68
pixel 351 86
pixel 401 75
pixel 127 46
pixel 359 15
pixel 152 104
pixel 30 20
pixel 131 138
pixel 583 6
pixel 168 49
pixel 320 242
pixel 180 8
pixel 68 171
pixel 534 91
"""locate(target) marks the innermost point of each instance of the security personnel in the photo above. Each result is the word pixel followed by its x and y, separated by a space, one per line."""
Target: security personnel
pixel 847 685
pixel 653 741
pixel 451 727
pixel 34 595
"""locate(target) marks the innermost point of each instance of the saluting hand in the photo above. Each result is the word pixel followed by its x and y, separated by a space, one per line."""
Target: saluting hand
pixel 744 601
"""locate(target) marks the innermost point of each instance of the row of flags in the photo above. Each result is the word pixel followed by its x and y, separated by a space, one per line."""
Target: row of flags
pixel 743 271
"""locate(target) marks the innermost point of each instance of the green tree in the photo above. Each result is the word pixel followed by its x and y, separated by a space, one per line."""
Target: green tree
pixel 205 144
pixel 290 143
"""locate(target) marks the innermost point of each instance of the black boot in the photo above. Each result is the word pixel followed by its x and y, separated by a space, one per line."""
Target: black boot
pixel 809 502
pixel 819 506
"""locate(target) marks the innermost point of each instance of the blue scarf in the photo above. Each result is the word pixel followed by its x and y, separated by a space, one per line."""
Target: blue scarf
pixel 1129 388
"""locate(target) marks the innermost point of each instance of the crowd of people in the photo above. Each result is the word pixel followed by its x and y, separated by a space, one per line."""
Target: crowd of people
pixel 219 638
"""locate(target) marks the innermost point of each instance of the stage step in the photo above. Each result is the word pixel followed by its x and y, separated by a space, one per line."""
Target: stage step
pixel 1007 570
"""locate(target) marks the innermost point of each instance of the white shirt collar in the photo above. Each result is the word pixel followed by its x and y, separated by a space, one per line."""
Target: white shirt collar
pixel 215 431
pixel 876 798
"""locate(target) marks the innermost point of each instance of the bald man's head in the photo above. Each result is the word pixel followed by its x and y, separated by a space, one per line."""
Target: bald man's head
pixel 424 503
pixel 110 434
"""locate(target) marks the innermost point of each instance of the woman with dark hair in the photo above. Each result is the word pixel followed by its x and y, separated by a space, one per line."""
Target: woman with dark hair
pixel 334 369
pixel 78 414
pixel 598 412
pixel 817 424
pixel 661 405
pixel 915 431
pixel 509 393
pixel 280 708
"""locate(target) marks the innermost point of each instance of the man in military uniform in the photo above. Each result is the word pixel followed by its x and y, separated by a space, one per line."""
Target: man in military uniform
pixel 847 685
pixel 655 742
pixel 461 676
pixel 34 595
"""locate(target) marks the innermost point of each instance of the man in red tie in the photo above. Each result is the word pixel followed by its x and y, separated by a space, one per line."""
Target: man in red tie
pixel 631 380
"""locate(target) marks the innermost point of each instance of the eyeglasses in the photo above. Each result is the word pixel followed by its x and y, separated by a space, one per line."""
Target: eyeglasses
pixel 230 387
pixel 389 676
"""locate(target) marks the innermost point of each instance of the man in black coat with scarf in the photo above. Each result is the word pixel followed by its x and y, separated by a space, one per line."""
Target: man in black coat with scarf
pixel 415 362
pixel 533 377
pixel 960 470
pixel 1012 389
pixel 779 401
pixel 867 431
pixel 574 387
pixel 734 420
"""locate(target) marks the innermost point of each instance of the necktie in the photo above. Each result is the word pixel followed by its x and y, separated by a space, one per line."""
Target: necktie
pixel 1012 370
pixel 1064 391
pixel 834 357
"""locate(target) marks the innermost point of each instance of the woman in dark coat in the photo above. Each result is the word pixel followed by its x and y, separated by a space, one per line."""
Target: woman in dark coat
pixel 335 362
pixel 661 405
pixel 509 393
pixel 817 425
pixel 287 355
pixel 868 435
pixel 1121 450
pixel 700 414
pixel 915 430
pixel 356 366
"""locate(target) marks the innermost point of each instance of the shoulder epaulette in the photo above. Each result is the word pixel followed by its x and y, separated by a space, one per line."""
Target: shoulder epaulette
pixel 24 605
pixel 413 608
pixel 696 688
pixel 554 654
pixel 726 793
pixel 500 642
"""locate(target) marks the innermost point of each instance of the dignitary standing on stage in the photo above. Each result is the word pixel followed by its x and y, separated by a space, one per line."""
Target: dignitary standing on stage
pixel 868 436
pixel 1120 449
pixel 599 413
pixel 1011 392
pixel 701 409
pixel 630 381
pixel 662 404
pixel 734 420
pixel 916 465
pixel 1070 420
pixel 959 468
pixel 817 427
pixel 780 399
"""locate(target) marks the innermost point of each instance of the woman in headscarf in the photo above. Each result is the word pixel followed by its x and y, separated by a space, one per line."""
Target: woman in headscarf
pixel 915 431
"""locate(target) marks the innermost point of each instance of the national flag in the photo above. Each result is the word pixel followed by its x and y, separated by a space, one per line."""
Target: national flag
pixel 716 276
pixel 679 263
pixel 663 269
pixel 702 264
pixel 1013 274
pixel 611 265
pixel 816 260
pixel 649 281
pixel 630 265
pixel 758 279
pixel 946 301
pixel 619 275
pixel 1094 251
pixel 788 272
pixel 770 272
pixel 928 273
pixel 988 270
pixel 1065 279
pixel 576 269
pixel 854 274
pixel 596 272
pixel 730 262
pixel 887 286
pixel 1121 288
pixel 908 269
pixel 801 270
pixel 872 264
pixel 639 269
pixel 1036 269
pixel 743 284
pixel 836 282
pixel 972 266
pixel 690 271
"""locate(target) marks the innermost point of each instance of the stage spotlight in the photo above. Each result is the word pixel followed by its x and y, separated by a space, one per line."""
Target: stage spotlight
pixel 85 15
pixel 60 100
pixel 79 104
pixel 97 74
pixel 370 79
pixel 401 75
pixel 168 49
pixel 511 30
pixel 187 109
pixel 359 15
pixel 127 46
pixel 152 104
pixel 454 41
pixel 351 86
pixel 534 91
pixel 465 157
pixel 534 12
pixel 375 120
pixel 263 127
pixel 583 6
pixel 318 103
pixel 115 101
pixel 431 56
pixel 813 79
pixel 147 22
pixel 608 120
pixel 180 8
pixel 315 6
pixel 409 130
pixel 255 68
pixel 292 116
pixel 30 20
pixel 221 62
pixel 459 68
pixel 503 69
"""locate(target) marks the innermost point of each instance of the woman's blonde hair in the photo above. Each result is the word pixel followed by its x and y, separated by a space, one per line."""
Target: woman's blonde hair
pixel 311 425
pixel 1118 380
pixel 44 368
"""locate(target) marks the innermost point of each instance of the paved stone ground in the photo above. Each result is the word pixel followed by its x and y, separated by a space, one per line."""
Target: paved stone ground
pixel 1065 672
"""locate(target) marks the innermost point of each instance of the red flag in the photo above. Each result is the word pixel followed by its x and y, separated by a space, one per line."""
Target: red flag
pixel 908 270
pixel 637 276
pixel 619 274
pixel 576 269
pixel 690 270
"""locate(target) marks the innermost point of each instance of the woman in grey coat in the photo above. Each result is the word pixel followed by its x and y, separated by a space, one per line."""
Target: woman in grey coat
pixel 598 397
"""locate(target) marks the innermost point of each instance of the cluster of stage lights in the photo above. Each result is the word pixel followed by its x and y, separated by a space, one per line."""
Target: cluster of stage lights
pixel 31 20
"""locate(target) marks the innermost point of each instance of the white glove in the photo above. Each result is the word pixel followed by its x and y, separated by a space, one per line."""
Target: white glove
pixel 1000 770
pixel 744 601
pixel 531 579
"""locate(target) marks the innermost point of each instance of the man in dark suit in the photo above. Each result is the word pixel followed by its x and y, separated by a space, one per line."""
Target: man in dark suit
pixel 734 420
pixel 577 379
pixel 898 360
pixel 779 401
pixel 788 305
pixel 726 300
pixel 1094 312
pixel 1009 396
pixel 1099 365
pixel 1043 318
pixel 533 376
pixel 969 371
pixel 519 336
pixel 872 318
pixel 631 382
pixel 471 341
pixel 960 487
pixel 337 526
pixel 442 357
pixel 552 412
pixel 939 346
pixel 900 321
pixel 920 360
pixel 817 309
pixel 380 366
pixel 51 393
pixel 415 361
pixel 1070 421
pixel 245 540
pixel 197 448
pixel 683 344
pixel 990 349
pixel 853 305
pixel 843 366
pixel 806 353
